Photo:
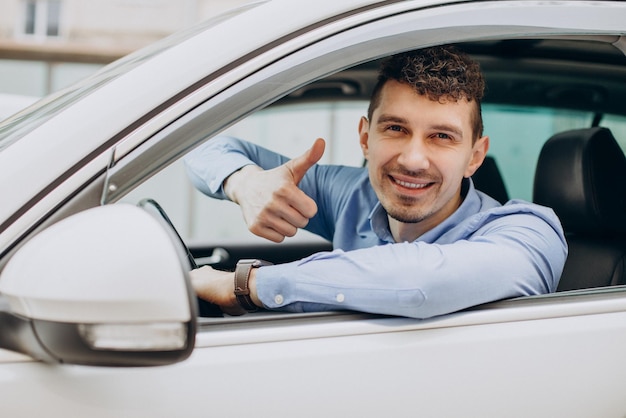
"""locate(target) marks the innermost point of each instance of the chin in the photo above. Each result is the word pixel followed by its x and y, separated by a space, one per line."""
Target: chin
pixel 407 219
pixel 406 216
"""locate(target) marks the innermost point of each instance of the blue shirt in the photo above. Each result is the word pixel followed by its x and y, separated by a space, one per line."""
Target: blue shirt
pixel 483 252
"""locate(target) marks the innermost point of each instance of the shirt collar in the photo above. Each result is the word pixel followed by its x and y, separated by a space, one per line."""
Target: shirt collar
pixel 379 223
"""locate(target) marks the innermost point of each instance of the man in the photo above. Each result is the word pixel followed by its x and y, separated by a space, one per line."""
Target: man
pixel 412 236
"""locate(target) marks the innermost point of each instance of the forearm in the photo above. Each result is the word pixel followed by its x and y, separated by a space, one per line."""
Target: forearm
pixel 218 287
pixel 413 279
pixel 213 162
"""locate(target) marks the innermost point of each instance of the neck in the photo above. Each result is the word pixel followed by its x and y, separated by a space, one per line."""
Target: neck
pixel 407 232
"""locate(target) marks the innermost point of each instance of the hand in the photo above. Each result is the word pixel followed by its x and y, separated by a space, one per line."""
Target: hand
pixel 272 204
pixel 217 287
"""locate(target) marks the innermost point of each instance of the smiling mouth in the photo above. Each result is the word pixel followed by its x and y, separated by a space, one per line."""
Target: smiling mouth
pixel 410 185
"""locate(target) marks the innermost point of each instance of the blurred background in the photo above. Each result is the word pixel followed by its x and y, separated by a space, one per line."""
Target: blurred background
pixel 46 45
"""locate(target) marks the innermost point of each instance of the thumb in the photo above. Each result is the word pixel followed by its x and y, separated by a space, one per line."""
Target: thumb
pixel 300 165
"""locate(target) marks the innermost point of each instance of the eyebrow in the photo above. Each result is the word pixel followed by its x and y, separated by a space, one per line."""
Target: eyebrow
pixel 390 118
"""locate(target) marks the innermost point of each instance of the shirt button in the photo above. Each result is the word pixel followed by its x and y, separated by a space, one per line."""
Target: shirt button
pixel 278 299
pixel 340 297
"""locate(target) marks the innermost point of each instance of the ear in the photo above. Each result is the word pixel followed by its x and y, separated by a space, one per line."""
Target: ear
pixel 364 127
pixel 479 151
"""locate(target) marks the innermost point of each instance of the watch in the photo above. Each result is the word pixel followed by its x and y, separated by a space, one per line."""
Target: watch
pixel 242 276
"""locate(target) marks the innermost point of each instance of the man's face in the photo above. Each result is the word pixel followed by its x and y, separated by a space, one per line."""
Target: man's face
pixel 418 151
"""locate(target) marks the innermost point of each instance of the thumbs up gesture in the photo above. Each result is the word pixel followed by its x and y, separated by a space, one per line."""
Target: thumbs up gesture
pixel 272 204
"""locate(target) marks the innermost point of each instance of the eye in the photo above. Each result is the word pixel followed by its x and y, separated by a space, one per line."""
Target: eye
pixel 444 138
pixel 394 128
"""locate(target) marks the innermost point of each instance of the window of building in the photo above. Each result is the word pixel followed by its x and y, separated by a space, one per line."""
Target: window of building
pixel 42 18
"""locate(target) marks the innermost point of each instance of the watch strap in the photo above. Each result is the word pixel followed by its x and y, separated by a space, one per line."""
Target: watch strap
pixel 242 278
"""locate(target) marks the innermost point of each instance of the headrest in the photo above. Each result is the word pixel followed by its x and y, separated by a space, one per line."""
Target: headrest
pixel 581 175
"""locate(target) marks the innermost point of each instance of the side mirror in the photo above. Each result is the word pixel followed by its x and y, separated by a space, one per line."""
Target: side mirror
pixel 107 286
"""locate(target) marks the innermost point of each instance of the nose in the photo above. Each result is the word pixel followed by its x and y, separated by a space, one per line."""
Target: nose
pixel 414 155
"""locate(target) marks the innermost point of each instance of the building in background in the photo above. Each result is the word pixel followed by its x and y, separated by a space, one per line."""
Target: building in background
pixel 46 45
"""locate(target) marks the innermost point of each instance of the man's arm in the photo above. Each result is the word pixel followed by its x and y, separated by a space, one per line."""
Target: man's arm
pixel 422 280
pixel 218 287
pixel 418 279
pixel 264 184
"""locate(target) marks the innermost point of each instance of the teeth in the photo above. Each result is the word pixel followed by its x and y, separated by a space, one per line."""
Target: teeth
pixel 411 185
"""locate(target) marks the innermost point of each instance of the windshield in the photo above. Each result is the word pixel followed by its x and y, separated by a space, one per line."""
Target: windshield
pixel 18 125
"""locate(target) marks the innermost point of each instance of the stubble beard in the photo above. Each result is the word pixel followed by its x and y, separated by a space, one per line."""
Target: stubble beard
pixel 406 214
pixel 403 209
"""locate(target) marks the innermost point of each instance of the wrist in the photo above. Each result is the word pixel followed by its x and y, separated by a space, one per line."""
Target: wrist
pixel 232 182
pixel 244 292
pixel 252 285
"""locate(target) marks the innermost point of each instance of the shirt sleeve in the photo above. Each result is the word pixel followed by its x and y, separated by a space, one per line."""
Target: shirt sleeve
pixel 514 255
pixel 211 163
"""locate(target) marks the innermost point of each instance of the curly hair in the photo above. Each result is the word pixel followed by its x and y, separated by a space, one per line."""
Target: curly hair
pixel 440 73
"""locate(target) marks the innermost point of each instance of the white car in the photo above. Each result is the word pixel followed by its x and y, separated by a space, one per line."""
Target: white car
pixel 91 281
pixel 12 103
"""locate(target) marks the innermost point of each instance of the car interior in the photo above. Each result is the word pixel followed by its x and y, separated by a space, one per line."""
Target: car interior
pixel 579 175
pixel 578 172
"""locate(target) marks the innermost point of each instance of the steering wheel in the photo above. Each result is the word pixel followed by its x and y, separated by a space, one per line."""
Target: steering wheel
pixel 205 309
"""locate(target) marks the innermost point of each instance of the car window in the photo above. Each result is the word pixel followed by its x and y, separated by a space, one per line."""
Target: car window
pixel 288 128
pixel 292 129
pixel 517 134
pixel 617 125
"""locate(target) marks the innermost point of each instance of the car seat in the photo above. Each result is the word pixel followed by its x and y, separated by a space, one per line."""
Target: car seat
pixel 581 175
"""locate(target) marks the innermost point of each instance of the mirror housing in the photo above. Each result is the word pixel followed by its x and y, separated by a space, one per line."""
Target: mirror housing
pixel 108 286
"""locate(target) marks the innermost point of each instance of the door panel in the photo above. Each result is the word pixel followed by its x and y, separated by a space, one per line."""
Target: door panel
pixel 275 253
